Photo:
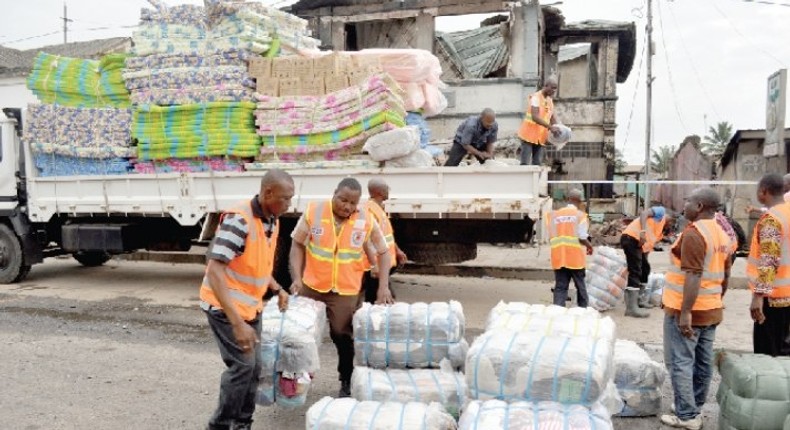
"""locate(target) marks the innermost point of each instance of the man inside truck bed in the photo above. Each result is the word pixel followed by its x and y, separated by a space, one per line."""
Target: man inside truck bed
pixel 475 136
pixel 328 260
pixel 238 274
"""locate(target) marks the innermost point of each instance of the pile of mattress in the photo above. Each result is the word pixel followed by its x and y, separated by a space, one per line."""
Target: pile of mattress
pixel 638 378
pixel 499 415
pixel 606 278
pixel 194 165
pixel 348 413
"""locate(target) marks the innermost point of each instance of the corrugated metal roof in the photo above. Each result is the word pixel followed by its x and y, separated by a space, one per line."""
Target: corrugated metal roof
pixel 479 52
pixel 15 62
pixel 572 52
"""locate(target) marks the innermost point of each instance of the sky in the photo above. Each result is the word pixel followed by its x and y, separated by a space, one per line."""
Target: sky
pixel 712 57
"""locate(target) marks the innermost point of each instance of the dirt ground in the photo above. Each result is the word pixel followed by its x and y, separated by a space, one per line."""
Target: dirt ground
pixel 124 346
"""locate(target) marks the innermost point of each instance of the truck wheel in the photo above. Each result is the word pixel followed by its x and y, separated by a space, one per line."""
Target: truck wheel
pixel 12 262
pixel 440 253
pixel 92 258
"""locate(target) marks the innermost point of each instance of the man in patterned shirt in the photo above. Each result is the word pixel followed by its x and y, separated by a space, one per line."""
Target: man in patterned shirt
pixel 769 277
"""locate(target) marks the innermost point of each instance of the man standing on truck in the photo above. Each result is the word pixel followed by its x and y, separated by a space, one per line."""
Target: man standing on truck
pixel 475 136
pixel 539 120
pixel 637 241
pixel 238 274
pixel 768 270
pixel 328 260
pixel 692 299
pixel 379 192
pixel 568 233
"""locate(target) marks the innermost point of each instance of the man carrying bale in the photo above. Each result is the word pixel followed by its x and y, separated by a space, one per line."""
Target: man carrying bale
pixel 328 260
pixel 637 241
pixel 475 136
pixel 539 120
pixel 692 300
pixel 568 233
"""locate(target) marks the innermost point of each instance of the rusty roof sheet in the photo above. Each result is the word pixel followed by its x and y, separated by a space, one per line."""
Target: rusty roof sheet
pixel 479 52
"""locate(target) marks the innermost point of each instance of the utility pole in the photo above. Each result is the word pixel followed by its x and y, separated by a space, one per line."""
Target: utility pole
pixel 649 80
pixel 66 22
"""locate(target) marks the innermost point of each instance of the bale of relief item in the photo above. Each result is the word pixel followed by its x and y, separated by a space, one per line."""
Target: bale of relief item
pixel 348 413
pixel 754 392
pixel 404 335
pixel 392 144
pixel 444 386
pixel 639 380
pixel 550 320
pixel 499 415
pixel 289 343
pixel 655 288
pixel 606 278
pixel 418 158
pixel 516 366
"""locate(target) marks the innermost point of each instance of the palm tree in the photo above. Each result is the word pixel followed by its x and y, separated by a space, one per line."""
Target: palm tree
pixel 661 159
pixel 717 139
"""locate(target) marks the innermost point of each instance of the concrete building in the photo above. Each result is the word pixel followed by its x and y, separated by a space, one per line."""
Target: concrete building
pixel 522 50
pixel 688 164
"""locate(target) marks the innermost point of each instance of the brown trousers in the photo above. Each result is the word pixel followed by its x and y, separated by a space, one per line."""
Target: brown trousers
pixel 340 313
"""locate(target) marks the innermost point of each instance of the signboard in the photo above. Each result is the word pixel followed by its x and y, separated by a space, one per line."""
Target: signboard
pixel 775 115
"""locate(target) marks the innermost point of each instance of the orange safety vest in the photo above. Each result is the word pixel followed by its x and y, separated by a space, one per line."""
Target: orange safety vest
pixel 717 251
pixel 530 131
pixel 654 232
pixel 781 284
pixel 248 275
pixel 386 228
pixel 335 260
pixel 566 250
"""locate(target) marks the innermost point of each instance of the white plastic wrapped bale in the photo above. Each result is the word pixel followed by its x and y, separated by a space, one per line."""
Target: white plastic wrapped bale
pixel 351 414
pixel 418 158
pixel 606 278
pixel 499 415
pixel 516 366
pixel 444 386
pixel 289 348
pixel 638 378
pixel 392 144
pixel 417 335
pixel 655 287
pixel 550 320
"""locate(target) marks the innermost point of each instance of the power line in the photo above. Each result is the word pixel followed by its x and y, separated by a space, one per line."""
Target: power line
pixel 33 37
pixel 636 91
pixel 732 25
pixel 766 2
pixel 669 70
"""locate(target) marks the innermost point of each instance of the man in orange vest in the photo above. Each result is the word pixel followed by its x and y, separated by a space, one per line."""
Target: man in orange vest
pixel 328 261
pixel 238 274
pixel 539 120
pixel 568 229
pixel 692 301
pixel 637 241
pixel 379 192
pixel 768 270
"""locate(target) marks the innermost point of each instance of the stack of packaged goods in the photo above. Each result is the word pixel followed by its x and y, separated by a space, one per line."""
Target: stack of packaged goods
pixel 194 99
pixel 753 393
pixel 639 380
pixel 606 278
pixel 82 125
pixel 540 360
pixel 289 350
pixel 345 414
pixel 399 148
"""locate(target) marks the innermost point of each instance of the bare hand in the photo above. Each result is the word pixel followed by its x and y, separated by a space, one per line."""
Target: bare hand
pixel 684 324
pixel 245 336
pixel 555 130
pixel 589 250
pixel 296 287
pixel 384 297
pixel 401 258
pixel 642 239
pixel 282 300
pixel 374 272
pixel 756 309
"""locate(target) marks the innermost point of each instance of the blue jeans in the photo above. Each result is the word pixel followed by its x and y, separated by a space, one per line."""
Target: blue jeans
pixel 531 154
pixel 690 366
pixel 562 280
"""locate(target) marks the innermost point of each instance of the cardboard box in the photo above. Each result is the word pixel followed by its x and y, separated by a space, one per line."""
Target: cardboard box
pixel 325 64
pixel 312 87
pixel 290 87
pixel 335 82
pixel 268 86
pixel 260 67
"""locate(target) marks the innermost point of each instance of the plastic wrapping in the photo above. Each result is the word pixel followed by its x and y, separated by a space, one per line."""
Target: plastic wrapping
pixel 289 348
pixel 550 320
pixel 418 158
pixel 606 278
pixel 532 367
pixel 655 287
pixel 639 380
pixel 393 144
pixel 444 386
pixel 350 414
pixel 416 335
pixel 753 393
pixel 498 415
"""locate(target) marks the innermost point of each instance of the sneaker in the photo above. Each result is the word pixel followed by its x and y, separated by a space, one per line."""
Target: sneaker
pixel 345 389
pixel 673 421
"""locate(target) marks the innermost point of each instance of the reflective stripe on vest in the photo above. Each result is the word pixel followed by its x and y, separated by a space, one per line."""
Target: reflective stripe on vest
pixel 717 246
pixel 530 131
pixel 781 283
pixel 653 233
pixel 334 260
pixel 566 251
pixel 248 275
pixel 386 229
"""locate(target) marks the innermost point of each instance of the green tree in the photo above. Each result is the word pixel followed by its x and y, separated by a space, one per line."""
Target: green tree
pixel 619 161
pixel 661 159
pixel 716 141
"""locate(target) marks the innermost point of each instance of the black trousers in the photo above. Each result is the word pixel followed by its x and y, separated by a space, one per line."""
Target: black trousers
pixel 370 287
pixel 638 266
pixel 772 337
pixel 457 153
pixel 562 280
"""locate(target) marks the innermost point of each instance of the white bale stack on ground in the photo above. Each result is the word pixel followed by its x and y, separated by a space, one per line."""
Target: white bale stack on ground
pixel 499 415
pixel 550 320
pixel 348 413
pixel 638 378
pixel 606 278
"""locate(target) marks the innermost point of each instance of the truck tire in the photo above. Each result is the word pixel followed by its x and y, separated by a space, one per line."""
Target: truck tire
pixel 12 262
pixel 440 253
pixel 92 258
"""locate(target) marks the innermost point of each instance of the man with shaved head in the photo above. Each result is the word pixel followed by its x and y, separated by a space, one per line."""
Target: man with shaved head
pixel 568 238
pixel 692 301
pixel 238 274
pixel 539 121
pixel 768 271
pixel 476 137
